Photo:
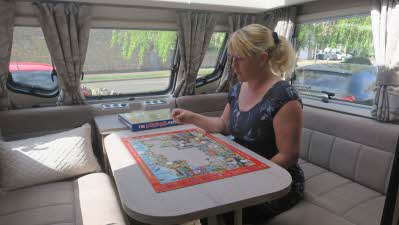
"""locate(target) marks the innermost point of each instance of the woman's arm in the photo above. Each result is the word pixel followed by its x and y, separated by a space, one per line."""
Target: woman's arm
pixel 288 128
pixel 209 124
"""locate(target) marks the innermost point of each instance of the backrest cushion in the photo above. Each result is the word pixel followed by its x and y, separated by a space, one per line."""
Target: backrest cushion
pixel 47 158
pixel 357 148
pixel 205 104
pixel 25 123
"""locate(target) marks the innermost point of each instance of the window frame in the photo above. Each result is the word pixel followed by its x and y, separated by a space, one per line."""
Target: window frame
pixel 174 68
pixel 35 91
pixel 205 79
pixel 332 104
pixel 338 106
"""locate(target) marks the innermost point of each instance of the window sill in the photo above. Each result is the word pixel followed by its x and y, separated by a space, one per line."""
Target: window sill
pixel 338 106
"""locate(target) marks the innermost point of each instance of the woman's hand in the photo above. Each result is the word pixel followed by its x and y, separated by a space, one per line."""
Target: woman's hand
pixel 182 116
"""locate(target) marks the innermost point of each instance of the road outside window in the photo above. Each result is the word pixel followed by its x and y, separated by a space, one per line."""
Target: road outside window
pixel 123 62
pixel 334 58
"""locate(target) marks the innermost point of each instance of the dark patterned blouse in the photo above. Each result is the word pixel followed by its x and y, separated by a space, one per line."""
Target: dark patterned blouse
pixel 254 129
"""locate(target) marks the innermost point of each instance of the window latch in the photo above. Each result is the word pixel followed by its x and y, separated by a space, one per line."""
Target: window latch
pixel 329 94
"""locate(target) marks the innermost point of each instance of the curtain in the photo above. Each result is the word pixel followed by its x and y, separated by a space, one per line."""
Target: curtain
pixel 195 30
pixel 285 25
pixel 384 16
pixel 281 21
pixel 66 28
pixel 236 21
pixel 7 14
pixel 285 22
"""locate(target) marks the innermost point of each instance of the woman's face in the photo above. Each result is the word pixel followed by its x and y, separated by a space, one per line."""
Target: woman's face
pixel 246 68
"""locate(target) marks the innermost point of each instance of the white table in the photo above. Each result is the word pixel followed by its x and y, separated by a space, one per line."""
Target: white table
pixel 142 203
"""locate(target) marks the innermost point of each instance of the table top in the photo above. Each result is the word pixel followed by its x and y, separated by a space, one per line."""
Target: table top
pixel 142 203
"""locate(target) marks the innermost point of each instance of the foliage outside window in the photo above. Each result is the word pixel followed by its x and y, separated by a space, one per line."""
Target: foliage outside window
pixel 123 62
pixel 30 65
pixel 212 54
pixel 334 57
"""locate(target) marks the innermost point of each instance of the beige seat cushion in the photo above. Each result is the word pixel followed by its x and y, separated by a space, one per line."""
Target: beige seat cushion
pixel 88 200
pixel 306 213
pixel 331 199
pixel 343 197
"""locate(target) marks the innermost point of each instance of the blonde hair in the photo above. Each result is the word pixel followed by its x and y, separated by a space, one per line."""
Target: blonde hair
pixel 254 39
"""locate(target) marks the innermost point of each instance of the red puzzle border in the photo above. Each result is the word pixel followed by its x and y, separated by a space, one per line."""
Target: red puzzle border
pixel 258 165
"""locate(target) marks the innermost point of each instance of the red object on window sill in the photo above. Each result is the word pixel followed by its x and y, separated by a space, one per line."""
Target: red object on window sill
pixel 349 98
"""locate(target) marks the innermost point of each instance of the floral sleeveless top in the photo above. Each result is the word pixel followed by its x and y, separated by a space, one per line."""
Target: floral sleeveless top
pixel 254 128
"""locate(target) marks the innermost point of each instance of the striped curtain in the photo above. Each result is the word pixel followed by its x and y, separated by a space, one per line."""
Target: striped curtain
pixel 66 28
pixel 195 30
pixel 384 17
pixel 7 14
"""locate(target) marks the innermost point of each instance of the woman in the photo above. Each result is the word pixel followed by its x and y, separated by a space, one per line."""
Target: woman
pixel 263 113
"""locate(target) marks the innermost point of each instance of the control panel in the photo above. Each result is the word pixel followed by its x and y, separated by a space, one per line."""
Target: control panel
pixel 115 106
pixel 155 102
pixel 148 104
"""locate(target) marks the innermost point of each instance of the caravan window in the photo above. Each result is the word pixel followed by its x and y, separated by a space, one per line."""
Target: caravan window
pixel 336 56
pixel 125 62
pixel 213 54
pixel 30 66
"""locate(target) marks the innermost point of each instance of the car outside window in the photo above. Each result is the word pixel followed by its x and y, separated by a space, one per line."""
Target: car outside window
pixel 128 62
pixel 30 66
pixel 334 57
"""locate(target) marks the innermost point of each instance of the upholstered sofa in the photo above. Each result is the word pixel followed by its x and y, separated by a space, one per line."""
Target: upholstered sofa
pixel 86 199
pixel 347 161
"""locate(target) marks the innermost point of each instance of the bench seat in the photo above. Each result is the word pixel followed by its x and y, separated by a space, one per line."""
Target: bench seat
pixel 88 200
pixel 347 162
pixel 331 199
